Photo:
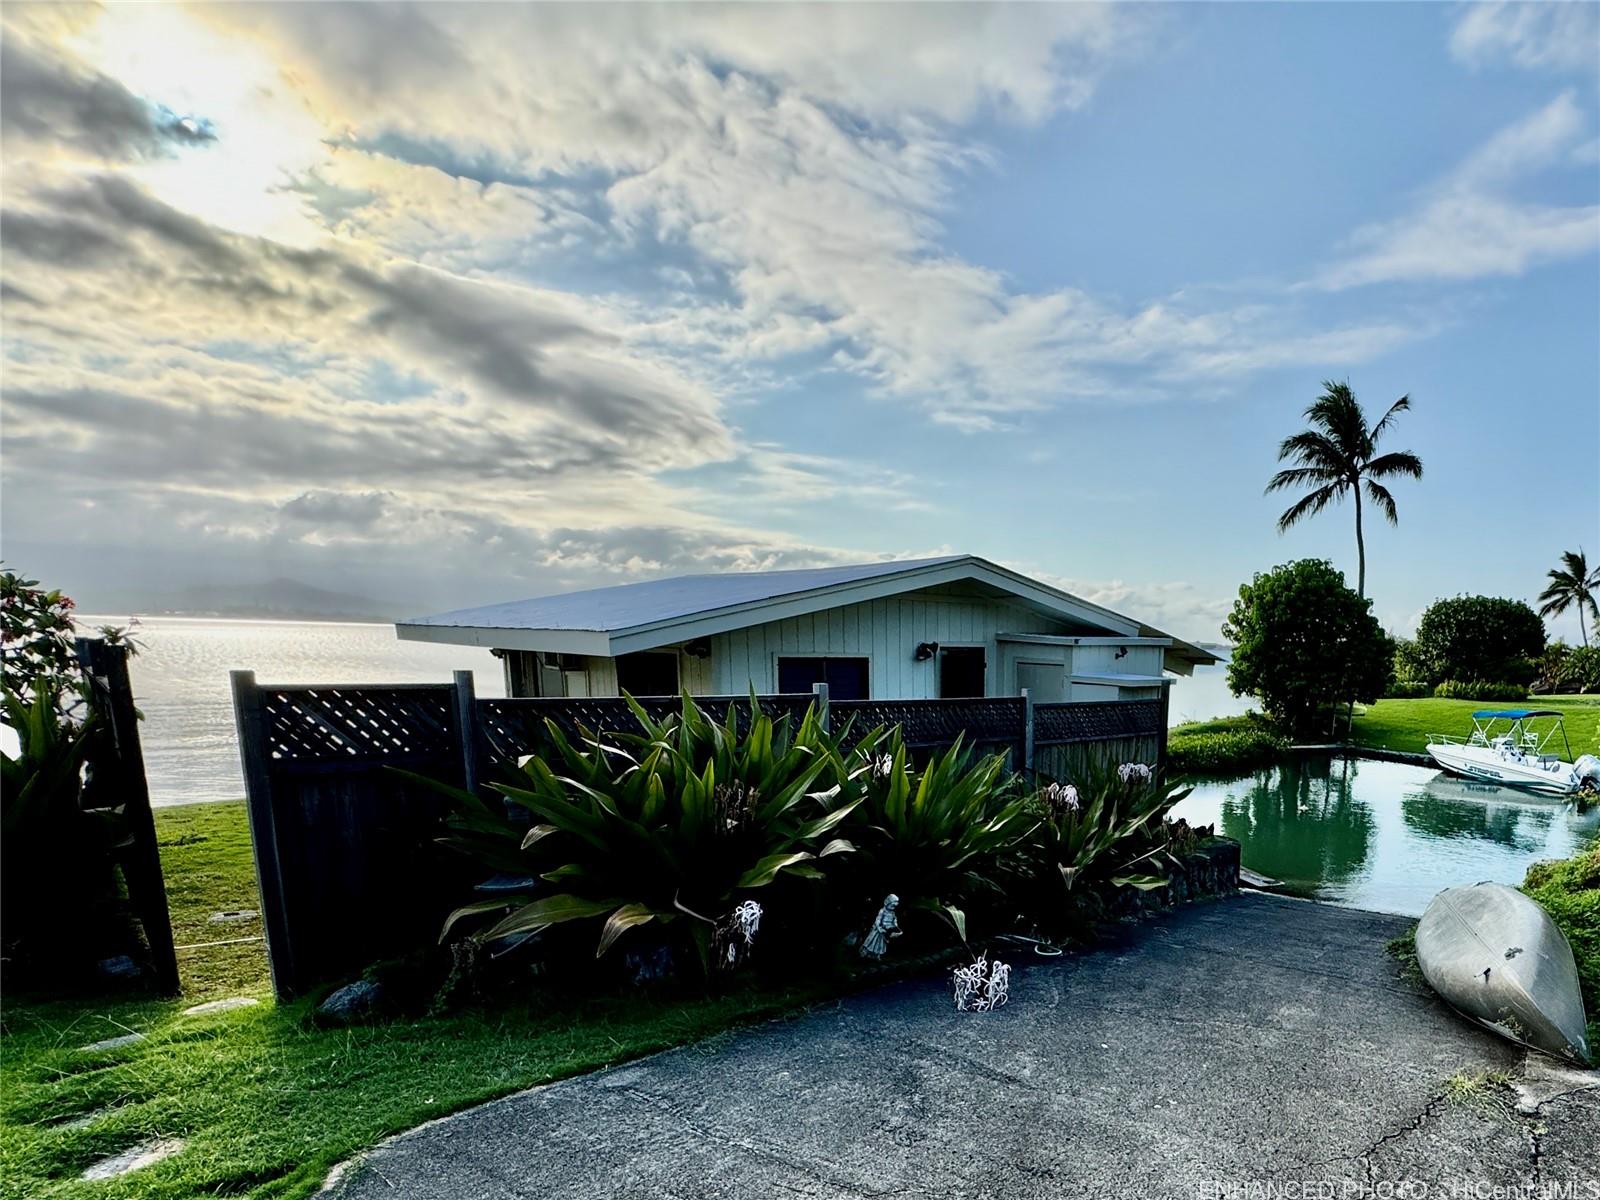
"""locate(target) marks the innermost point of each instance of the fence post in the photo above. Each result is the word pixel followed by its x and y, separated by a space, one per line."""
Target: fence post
pixel 254 759
pixel 820 691
pixel 1027 732
pixel 466 703
pixel 107 667
pixel 1161 734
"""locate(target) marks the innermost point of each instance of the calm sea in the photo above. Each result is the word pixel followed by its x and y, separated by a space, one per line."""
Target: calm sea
pixel 180 680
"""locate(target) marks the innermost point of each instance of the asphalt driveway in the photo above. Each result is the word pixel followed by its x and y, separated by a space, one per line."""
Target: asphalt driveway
pixel 1230 1048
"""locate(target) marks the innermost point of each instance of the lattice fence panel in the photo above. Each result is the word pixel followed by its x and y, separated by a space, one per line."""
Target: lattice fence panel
pixel 386 724
pixel 937 722
pixel 514 727
pixel 1095 721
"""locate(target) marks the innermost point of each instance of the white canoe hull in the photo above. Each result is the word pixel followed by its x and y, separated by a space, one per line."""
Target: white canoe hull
pixel 1495 956
pixel 1489 765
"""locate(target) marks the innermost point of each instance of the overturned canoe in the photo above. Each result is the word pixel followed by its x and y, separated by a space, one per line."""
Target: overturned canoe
pixel 1497 957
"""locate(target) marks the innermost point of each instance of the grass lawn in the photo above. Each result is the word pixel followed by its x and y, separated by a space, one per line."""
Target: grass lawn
pixel 1406 724
pixel 265 1102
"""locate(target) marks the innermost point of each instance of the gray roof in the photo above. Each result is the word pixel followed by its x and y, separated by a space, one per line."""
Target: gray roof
pixel 636 616
pixel 629 605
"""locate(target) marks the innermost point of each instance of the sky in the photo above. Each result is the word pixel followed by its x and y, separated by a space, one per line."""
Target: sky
pixel 449 305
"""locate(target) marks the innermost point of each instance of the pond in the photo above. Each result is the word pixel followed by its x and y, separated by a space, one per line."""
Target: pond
pixel 1381 835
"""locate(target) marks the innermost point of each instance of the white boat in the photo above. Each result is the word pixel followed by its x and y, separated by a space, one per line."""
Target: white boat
pixel 1518 753
pixel 1496 957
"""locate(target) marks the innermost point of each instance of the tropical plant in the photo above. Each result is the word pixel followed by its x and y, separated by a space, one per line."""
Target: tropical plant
pixel 1480 638
pixel 37 629
pixel 1338 456
pixel 1570 669
pixel 1302 641
pixel 935 836
pixel 1480 689
pixel 57 877
pixel 1109 825
pixel 674 825
pixel 1228 751
pixel 1572 584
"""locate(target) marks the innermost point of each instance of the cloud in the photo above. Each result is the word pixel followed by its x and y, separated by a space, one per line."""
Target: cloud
pixel 1557 36
pixel 47 98
pixel 1469 225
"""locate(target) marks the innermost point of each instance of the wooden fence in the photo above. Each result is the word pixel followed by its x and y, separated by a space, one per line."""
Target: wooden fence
pixel 115 781
pixel 345 852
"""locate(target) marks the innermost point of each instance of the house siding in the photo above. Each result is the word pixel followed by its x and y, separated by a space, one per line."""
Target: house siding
pixel 886 632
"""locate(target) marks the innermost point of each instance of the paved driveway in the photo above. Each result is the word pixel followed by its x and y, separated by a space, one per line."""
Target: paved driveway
pixel 1240 1043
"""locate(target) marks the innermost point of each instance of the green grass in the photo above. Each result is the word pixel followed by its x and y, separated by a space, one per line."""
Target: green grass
pixel 1406 724
pixel 1570 892
pixel 1224 747
pixel 265 1101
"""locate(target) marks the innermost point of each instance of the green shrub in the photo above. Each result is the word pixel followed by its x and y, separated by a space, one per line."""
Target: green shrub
pixel 1226 752
pixel 1106 826
pixel 1570 670
pixel 1408 689
pixel 935 837
pixel 1479 689
pixel 671 826
pixel 1304 643
pixel 57 874
pixel 1480 638
pixel 1569 890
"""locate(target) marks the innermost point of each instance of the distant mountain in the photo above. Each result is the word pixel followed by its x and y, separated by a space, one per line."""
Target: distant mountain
pixel 284 598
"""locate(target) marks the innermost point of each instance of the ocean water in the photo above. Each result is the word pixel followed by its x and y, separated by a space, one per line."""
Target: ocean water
pixel 180 682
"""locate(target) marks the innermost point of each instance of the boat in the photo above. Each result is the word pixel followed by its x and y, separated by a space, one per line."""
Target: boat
pixel 1497 958
pixel 1518 753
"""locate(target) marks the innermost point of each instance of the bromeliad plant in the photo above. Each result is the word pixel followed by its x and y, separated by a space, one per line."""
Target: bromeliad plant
pixel 933 836
pixel 674 825
pixel 1108 825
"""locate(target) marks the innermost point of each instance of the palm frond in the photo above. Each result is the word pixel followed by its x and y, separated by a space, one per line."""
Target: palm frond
pixel 1383 501
pixel 1401 462
pixel 1399 406
pixel 1295 476
pixel 1314 450
pixel 1310 505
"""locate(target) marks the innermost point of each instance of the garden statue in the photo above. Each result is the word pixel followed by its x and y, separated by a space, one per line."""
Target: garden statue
pixel 884 927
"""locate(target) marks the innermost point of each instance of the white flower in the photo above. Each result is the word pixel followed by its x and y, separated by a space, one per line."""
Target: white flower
pixel 1061 797
pixel 1134 773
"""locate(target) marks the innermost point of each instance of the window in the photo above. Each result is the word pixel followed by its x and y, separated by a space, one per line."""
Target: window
pixel 846 677
pixel 961 670
pixel 649 673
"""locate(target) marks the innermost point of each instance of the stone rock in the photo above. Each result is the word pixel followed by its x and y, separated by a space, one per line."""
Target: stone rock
pixel 217 1006
pixel 234 916
pixel 112 1043
pixel 353 1002
pixel 133 1158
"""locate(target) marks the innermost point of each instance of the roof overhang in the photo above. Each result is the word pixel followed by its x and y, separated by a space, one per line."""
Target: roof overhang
pixel 462 629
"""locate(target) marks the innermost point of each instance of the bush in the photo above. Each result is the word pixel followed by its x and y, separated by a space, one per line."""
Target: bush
pixel 1229 752
pixel 1569 890
pixel 1480 638
pixel 1570 670
pixel 1410 665
pixel 673 827
pixel 1408 689
pixel 1304 642
pixel 1480 689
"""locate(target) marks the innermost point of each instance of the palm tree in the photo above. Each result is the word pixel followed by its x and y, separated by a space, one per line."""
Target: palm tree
pixel 1572 583
pixel 1338 454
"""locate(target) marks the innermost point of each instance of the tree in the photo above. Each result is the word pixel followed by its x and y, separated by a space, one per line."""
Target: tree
pixel 1303 641
pixel 1482 638
pixel 1572 583
pixel 1339 455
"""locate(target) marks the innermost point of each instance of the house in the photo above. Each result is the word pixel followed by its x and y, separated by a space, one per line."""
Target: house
pixel 949 627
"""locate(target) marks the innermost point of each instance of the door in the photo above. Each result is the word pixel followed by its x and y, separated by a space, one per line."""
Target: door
pixel 1046 683
pixel 961 672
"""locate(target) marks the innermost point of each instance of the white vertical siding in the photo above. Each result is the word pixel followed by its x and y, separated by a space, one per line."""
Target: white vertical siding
pixel 886 632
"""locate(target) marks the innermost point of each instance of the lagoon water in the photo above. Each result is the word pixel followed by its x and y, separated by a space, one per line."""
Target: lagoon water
pixel 180 681
pixel 1384 836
